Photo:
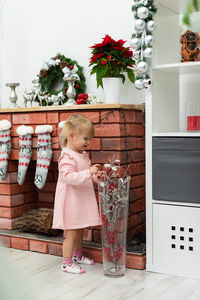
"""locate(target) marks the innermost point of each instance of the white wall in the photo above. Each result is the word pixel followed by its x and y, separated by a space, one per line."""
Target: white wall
pixel 35 30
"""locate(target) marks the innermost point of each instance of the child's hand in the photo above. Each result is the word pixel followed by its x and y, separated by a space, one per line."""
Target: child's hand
pixel 100 174
pixel 94 169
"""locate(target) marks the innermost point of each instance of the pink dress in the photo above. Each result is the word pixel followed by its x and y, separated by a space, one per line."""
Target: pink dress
pixel 75 201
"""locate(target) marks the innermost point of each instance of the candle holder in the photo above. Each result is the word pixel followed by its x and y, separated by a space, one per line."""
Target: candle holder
pixel 71 93
pixel 13 95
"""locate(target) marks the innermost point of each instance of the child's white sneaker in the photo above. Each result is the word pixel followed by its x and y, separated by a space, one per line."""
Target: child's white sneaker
pixel 83 260
pixel 72 268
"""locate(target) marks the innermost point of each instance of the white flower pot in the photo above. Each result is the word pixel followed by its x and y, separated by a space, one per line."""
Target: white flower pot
pixel 112 87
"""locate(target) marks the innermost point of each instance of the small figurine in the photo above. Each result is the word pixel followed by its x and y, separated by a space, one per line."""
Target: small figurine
pixel 28 97
pixel 190 46
pixel 43 98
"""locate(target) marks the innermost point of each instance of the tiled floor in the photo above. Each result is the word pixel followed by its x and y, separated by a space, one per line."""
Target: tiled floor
pixel 38 277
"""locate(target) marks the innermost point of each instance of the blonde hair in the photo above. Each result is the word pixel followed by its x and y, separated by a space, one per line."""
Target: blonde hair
pixel 75 122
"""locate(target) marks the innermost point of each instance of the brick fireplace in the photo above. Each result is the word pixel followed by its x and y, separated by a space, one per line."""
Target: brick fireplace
pixel 119 131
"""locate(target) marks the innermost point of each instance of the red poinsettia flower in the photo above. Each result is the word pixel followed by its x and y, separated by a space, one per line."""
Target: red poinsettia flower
pixel 96 57
pixel 103 62
pixel 119 48
pixel 121 42
pixel 96 46
pixel 128 52
pixel 111 59
pixel 108 40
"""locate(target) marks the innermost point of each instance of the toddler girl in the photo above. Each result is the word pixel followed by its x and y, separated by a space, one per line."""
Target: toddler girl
pixel 75 202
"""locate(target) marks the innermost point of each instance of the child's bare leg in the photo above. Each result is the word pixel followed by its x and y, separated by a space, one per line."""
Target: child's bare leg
pixel 69 242
pixel 68 245
pixel 77 253
pixel 79 240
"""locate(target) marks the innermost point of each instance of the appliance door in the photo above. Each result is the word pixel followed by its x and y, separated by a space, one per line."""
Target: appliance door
pixel 176 169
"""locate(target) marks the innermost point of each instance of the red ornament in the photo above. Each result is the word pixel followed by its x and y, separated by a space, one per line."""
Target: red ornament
pixel 77 86
pixel 80 96
pixel 79 101
pixel 71 67
pixel 57 57
pixel 85 96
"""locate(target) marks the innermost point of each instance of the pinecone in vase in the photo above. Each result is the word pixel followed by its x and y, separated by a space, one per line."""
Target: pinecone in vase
pixel 43 73
pixel 63 64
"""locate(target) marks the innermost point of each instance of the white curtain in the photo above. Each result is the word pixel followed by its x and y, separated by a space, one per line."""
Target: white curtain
pixel 2 5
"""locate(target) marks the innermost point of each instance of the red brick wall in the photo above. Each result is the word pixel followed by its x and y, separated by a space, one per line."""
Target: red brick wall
pixel 118 132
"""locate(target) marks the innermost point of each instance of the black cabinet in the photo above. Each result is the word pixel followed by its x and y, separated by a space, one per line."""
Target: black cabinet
pixel 176 169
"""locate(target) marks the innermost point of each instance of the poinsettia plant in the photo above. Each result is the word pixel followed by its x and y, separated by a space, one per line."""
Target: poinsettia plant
pixel 111 59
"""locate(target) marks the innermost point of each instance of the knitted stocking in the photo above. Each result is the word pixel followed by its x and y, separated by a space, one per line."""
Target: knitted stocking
pixel 25 151
pixel 44 154
pixel 5 147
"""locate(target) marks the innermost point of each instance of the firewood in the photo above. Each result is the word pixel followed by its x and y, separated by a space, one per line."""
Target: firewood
pixel 37 221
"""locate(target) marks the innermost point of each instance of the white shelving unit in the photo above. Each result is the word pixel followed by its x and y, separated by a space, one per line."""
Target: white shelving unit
pixel 178 68
pixel 174 84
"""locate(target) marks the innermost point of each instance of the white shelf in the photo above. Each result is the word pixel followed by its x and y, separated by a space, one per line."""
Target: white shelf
pixel 178 134
pixel 173 5
pixel 179 68
pixel 185 204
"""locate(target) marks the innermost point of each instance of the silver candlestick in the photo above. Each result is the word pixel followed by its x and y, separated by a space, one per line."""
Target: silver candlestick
pixel 13 95
pixel 71 93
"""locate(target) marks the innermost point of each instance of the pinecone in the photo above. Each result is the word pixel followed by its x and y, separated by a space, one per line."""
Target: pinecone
pixel 43 73
pixel 65 91
pixel 63 64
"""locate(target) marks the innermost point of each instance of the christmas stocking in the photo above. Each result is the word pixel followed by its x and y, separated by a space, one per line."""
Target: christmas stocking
pixel 5 147
pixel 44 154
pixel 25 150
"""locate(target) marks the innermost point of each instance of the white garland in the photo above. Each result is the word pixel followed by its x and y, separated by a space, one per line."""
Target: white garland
pixel 142 41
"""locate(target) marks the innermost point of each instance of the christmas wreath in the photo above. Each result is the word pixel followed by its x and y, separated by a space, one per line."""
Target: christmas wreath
pixel 52 73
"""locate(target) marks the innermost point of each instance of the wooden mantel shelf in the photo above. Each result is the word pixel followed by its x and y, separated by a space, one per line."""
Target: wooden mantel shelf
pixel 73 107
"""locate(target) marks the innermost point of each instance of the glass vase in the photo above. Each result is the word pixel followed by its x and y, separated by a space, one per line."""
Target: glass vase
pixel 114 202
